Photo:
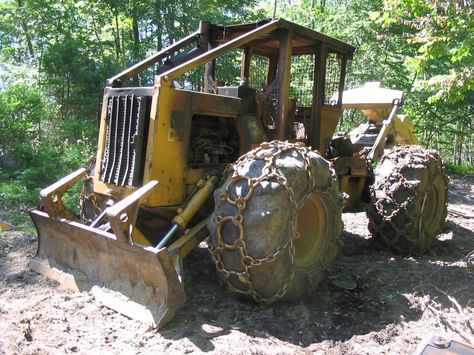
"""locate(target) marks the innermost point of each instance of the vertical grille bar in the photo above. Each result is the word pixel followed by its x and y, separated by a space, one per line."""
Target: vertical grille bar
pixel 123 140
pixel 125 135
pixel 126 180
pixel 106 162
pixel 115 138
pixel 136 136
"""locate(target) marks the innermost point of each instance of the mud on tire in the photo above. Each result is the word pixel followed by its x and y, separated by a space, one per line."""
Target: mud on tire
pixel 276 222
pixel 408 199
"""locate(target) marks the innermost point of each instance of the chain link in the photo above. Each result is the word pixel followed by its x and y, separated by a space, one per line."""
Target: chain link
pixel 85 196
pixel 267 153
pixel 415 158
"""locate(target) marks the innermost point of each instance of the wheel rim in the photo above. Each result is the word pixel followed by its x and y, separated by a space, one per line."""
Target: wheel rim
pixel 312 226
pixel 432 210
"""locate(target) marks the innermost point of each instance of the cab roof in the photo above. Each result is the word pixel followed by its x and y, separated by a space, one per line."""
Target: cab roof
pixel 304 40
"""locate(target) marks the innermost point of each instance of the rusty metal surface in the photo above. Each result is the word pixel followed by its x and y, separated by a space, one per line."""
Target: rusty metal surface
pixel 140 282
pixel 437 345
pixel 51 197
pixel 148 62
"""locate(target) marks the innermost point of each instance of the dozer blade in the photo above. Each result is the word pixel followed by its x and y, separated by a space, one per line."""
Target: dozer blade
pixel 138 281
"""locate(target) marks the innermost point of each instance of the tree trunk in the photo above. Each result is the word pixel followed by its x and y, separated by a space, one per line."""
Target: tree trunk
pixel 169 22
pixel 159 26
pixel 117 36
pixel 24 26
pixel 136 42
pixel 136 35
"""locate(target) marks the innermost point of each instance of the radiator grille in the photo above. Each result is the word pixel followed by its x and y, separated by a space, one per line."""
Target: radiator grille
pixel 125 137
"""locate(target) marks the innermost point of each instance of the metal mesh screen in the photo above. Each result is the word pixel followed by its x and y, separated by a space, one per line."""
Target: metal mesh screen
pixel 258 72
pixel 228 68
pixel 333 75
pixel 227 72
pixel 302 78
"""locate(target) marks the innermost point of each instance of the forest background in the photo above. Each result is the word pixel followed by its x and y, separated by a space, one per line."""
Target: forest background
pixel 55 56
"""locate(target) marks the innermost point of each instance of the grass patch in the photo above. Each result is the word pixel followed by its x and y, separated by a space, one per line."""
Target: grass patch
pixel 459 169
pixel 13 194
pixel 19 219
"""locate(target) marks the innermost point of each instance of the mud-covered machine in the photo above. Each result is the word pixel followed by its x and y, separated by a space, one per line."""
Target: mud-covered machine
pixel 244 154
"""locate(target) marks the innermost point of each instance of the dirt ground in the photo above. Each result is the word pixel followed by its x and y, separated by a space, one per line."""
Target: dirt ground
pixel 373 302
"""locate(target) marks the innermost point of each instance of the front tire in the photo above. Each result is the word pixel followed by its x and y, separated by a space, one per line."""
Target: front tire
pixel 276 222
pixel 408 199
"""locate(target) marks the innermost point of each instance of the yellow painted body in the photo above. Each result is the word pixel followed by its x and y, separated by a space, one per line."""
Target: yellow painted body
pixel 169 163
pixel 167 147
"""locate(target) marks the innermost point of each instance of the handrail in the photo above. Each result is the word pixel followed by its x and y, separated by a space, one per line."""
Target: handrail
pixel 151 60
pixel 208 56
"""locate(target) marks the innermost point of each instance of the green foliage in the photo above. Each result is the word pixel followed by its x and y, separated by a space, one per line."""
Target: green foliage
pixel 23 108
pixel 459 169
pixel 442 33
pixel 442 68
pixel 13 193
pixel 34 170
pixel 54 61
pixel 71 198
pixel 55 57
pixel 36 147
pixel 421 47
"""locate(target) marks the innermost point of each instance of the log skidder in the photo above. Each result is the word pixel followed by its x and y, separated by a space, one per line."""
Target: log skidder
pixel 277 215
pixel 409 199
pixel 160 149
pixel 276 222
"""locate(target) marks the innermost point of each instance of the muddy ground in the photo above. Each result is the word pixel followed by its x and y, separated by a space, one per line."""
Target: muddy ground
pixel 379 303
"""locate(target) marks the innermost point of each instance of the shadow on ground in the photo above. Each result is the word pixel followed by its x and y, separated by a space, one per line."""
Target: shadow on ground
pixel 384 283
pixel 384 288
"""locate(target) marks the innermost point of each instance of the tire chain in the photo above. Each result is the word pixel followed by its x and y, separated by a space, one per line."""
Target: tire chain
pixel 269 173
pixel 91 197
pixel 399 179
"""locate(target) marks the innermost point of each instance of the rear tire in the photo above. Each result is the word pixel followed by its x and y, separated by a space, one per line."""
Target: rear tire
pixel 408 199
pixel 276 222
